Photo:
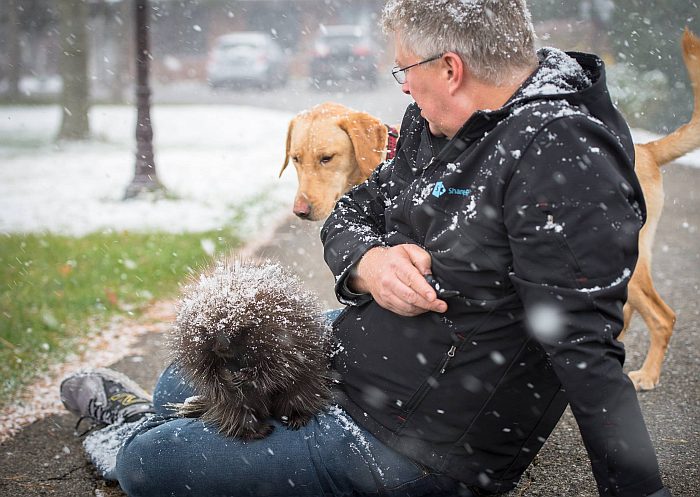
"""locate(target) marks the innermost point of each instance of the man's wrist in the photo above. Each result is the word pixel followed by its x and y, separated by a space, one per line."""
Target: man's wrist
pixel 353 282
pixel 349 288
pixel 357 277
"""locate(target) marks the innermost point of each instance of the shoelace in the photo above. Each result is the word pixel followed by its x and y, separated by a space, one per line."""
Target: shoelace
pixel 90 428
pixel 99 416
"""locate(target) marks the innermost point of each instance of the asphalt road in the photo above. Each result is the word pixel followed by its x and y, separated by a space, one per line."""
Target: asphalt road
pixel 385 101
pixel 46 459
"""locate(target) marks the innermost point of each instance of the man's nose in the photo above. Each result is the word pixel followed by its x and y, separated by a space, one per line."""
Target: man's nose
pixel 405 89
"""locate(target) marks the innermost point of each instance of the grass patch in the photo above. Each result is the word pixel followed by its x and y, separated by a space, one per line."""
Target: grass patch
pixel 54 287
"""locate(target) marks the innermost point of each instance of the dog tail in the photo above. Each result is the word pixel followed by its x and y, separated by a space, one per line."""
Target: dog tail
pixel 686 138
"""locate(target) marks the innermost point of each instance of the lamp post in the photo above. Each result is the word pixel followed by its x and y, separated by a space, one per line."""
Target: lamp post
pixel 145 179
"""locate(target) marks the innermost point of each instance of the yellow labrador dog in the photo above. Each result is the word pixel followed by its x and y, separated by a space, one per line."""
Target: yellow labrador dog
pixel 642 296
pixel 334 148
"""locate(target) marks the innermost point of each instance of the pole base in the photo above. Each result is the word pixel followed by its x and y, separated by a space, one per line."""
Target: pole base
pixel 145 188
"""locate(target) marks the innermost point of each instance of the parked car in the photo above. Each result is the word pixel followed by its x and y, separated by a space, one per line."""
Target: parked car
pixel 247 59
pixel 341 53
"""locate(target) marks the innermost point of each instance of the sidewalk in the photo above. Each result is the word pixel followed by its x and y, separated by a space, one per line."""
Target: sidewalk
pixel 46 459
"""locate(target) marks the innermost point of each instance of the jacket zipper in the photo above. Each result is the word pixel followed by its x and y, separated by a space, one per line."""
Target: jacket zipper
pixel 425 386
pixel 422 391
pixel 450 355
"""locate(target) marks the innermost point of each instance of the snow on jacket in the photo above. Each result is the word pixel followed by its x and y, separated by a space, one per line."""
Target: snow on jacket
pixel 531 212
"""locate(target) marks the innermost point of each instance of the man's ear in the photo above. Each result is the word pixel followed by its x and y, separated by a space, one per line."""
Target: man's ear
pixel 289 143
pixel 456 71
pixel 368 136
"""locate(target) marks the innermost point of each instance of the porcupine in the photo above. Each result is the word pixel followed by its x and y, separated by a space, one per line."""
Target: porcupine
pixel 254 345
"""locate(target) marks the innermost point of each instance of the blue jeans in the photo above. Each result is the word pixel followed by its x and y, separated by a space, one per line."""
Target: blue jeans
pixel 330 456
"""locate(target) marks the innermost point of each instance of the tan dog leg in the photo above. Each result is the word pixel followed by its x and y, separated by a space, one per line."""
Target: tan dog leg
pixel 658 317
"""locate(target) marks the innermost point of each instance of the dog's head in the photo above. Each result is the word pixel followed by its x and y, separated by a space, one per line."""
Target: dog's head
pixel 333 148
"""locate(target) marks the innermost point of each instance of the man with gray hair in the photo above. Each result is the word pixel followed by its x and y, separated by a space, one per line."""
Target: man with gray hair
pixel 484 270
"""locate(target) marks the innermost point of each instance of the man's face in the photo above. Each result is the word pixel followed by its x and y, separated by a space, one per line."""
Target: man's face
pixel 424 84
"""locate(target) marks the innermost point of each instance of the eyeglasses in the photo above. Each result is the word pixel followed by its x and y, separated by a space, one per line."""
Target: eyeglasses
pixel 399 73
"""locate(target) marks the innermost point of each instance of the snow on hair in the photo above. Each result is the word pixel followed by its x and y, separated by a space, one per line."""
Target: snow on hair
pixel 495 38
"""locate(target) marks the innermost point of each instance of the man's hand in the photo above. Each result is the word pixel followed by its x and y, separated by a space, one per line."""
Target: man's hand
pixel 395 276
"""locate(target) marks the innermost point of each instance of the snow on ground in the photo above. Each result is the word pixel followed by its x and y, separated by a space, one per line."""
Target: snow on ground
pixel 214 161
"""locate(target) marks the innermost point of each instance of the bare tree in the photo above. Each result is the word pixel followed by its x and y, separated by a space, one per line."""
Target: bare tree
pixel 13 50
pixel 75 100
pixel 123 37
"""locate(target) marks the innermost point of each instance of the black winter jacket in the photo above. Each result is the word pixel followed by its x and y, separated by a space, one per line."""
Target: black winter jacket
pixel 531 212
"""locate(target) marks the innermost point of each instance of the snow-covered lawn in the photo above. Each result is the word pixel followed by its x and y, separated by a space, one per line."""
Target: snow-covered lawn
pixel 214 161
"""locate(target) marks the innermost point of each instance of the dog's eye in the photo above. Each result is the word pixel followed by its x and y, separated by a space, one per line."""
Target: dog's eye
pixel 326 159
pixel 295 159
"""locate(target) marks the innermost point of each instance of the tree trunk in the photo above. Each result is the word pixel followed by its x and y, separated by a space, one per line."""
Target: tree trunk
pixel 124 40
pixel 14 50
pixel 75 100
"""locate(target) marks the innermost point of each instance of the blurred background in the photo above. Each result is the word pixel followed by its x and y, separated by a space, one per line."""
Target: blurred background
pixel 223 51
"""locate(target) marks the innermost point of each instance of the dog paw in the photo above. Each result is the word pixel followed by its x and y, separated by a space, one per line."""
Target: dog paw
pixel 643 381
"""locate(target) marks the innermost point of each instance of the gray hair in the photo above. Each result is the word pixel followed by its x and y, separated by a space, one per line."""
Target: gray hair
pixel 494 38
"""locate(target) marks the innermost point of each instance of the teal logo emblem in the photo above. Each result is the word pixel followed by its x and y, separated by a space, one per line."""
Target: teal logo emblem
pixel 439 189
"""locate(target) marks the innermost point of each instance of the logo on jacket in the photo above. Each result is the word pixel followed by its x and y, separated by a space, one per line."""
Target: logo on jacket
pixel 439 189
pixel 459 191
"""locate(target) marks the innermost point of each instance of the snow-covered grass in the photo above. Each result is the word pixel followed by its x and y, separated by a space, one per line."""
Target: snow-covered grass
pixel 215 161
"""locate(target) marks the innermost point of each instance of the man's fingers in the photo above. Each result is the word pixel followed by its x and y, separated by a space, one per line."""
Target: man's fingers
pixel 419 257
pixel 416 298
pixel 421 263
pixel 402 308
pixel 415 280
pixel 402 305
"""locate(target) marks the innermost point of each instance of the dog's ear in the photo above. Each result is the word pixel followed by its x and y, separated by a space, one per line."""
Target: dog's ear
pixel 289 143
pixel 368 135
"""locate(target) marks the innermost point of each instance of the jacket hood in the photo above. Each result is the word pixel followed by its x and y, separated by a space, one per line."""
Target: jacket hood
pixel 575 78
pixel 579 79
pixel 558 74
